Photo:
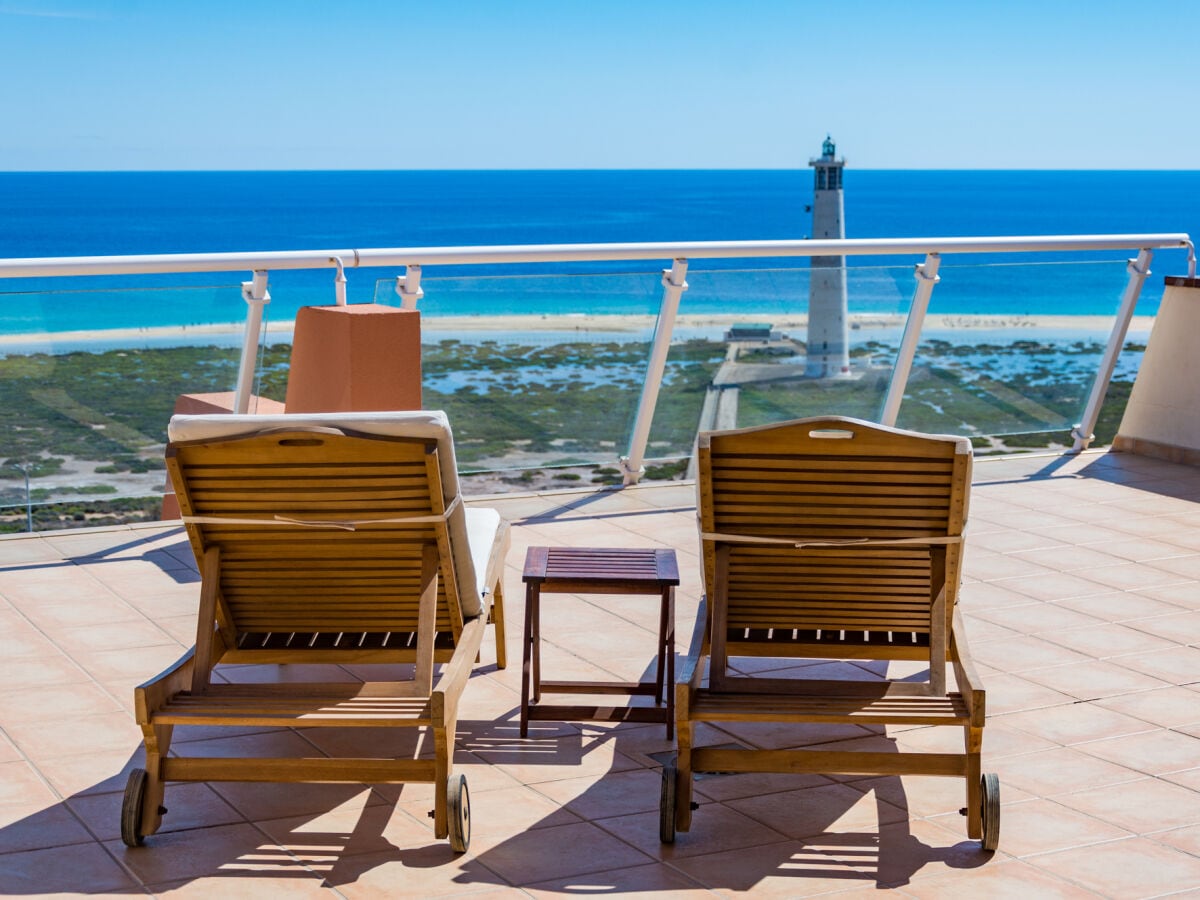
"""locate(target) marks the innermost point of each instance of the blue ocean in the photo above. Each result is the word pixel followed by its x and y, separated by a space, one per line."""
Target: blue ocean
pixel 115 213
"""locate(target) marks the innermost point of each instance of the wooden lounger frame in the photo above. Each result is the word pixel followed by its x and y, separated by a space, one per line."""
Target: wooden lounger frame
pixel 318 547
pixel 837 539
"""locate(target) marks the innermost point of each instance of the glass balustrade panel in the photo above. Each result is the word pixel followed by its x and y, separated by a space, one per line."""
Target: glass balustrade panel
pixel 748 349
pixel 88 381
pixel 540 375
pixel 1009 352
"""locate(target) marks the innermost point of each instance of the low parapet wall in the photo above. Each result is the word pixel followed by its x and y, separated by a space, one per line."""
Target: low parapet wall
pixel 1162 418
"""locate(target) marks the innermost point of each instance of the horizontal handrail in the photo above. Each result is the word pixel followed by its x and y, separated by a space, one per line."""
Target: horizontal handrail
pixel 168 263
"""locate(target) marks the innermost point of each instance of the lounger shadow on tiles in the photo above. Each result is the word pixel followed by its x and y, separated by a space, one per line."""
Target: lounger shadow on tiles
pixel 825 539
pixel 326 540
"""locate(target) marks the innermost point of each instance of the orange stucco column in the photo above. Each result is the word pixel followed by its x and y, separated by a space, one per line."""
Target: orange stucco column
pixel 362 357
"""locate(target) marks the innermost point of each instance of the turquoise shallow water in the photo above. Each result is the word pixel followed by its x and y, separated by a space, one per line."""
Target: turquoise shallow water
pixel 66 214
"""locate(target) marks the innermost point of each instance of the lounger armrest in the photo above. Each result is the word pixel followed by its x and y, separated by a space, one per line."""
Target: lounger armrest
pixel 970 685
pixel 450 684
pixel 691 672
pixel 153 694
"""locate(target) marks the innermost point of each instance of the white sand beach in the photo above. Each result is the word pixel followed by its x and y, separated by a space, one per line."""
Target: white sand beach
pixel 957 328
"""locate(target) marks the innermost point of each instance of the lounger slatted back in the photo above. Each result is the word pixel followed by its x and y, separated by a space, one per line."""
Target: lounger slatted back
pixel 324 540
pixel 831 538
pixel 824 485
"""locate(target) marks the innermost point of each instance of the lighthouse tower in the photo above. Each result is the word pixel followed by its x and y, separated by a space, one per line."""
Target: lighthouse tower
pixel 828 342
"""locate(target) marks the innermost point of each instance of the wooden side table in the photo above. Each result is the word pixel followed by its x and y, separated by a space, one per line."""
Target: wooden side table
pixel 589 570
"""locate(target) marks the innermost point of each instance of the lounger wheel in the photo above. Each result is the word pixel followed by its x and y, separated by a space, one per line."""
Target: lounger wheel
pixel 990 810
pixel 666 804
pixel 131 808
pixel 458 813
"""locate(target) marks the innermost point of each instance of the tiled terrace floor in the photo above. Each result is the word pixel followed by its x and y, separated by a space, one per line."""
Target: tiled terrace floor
pixel 1082 601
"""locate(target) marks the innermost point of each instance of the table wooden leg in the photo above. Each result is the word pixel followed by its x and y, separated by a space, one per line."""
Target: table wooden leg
pixel 669 650
pixel 527 656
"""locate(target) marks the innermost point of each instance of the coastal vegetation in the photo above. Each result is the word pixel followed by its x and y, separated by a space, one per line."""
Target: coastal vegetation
pixel 556 414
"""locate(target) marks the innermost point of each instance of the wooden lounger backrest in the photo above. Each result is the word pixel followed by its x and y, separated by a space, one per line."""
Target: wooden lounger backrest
pixel 830 480
pixel 339 574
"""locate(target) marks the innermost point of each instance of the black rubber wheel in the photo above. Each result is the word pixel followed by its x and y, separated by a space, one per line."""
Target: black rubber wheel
pixel 666 804
pixel 990 810
pixel 131 808
pixel 458 813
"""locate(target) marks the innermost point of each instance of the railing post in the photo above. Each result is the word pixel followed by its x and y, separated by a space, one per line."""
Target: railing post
pixel 408 286
pixel 1138 270
pixel 927 276
pixel 256 296
pixel 673 287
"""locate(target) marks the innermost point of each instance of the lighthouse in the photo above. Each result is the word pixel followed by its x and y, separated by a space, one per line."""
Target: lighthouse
pixel 828 343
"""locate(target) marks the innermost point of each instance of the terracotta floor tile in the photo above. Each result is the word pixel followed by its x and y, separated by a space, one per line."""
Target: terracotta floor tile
pixel 1075 724
pixel 1187 567
pixel 1072 559
pixel 1138 549
pixel 1178 665
pixel 499 816
pixel 66 736
pixel 1182 595
pixel 361 825
pixel 1155 753
pixel 1130 577
pixel 21 640
pixel 42 671
pixel 1024 655
pixel 1039 618
pixel 1002 880
pixel 1096 680
pixel 650 881
pixel 614 794
pixel 980 595
pixel 1064 770
pixel 68 869
pixel 116 636
pixel 791 868
pixel 987 566
pixel 1044 826
pixel 1120 606
pixel 430 871
pixel 1142 807
pixel 54 702
pixel 1170 707
pixel 1053 586
pixel 92 773
pixel 22 787
pixel 190 806
pixel 244 886
pixel 236 849
pixel 1105 641
pixel 550 853
pixel 1180 628
pixel 37 826
pixel 1131 868
pixel 1011 693
pixel 826 808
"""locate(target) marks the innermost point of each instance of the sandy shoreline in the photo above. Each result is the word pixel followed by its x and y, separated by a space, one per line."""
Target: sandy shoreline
pixel 866 326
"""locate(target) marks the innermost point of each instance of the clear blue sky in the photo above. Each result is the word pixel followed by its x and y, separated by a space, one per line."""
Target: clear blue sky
pixel 257 84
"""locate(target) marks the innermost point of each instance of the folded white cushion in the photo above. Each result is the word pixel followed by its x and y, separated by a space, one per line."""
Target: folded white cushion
pixel 468 543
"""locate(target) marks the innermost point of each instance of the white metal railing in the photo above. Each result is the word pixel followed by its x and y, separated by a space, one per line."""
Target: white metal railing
pixel 414 259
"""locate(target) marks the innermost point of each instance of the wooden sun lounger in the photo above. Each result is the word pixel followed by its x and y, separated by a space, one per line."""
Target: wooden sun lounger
pixel 836 539
pixel 324 540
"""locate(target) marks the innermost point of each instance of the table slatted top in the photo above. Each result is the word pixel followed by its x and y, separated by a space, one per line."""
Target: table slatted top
pixel 601 568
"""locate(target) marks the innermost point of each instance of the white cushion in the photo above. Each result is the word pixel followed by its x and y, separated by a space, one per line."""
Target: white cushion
pixel 424 424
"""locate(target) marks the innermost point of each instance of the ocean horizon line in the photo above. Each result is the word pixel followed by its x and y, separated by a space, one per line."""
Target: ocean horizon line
pixel 575 169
